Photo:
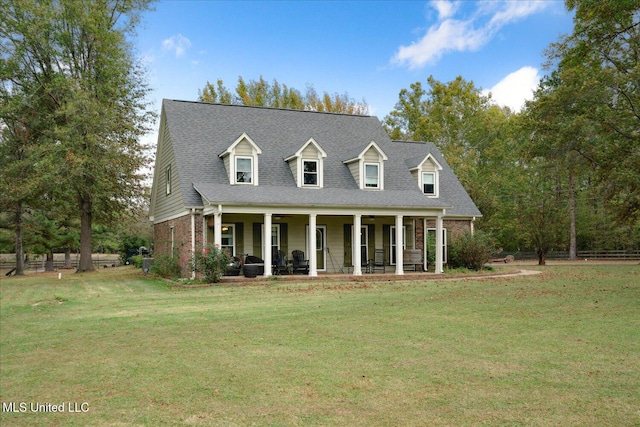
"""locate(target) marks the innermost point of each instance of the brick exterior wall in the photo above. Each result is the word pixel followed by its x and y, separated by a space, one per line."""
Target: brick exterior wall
pixel 419 230
pixel 455 226
pixel 162 236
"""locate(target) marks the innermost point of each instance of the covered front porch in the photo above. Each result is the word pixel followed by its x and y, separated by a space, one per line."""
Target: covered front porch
pixel 337 248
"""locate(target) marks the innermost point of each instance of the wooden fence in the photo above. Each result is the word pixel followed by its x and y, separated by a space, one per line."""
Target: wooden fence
pixel 592 255
pixel 8 262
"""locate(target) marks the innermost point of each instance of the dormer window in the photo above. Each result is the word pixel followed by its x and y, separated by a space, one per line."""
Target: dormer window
pixel 367 167
pixel 241 161
pixel 426 172
pixel 306 165
pixel 372 175
pixel 244 170
pixel 429 183
pixel 310 173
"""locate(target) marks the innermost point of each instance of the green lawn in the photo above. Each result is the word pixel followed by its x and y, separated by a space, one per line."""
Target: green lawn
pixel 558 348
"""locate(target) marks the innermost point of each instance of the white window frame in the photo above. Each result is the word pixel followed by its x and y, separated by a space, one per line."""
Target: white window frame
pixel 444 242
pixel 364 243
pixel 378 180
pixel 168 178
pixel 233 238
pixel 316 173
pixel 434 183
pixel 392 243
pixel 251 171
pixel 275 227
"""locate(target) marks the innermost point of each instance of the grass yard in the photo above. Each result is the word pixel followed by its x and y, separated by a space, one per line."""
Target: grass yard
pixel 119 349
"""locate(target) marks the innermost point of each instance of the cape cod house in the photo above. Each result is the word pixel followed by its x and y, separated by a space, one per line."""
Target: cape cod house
pixel 253 180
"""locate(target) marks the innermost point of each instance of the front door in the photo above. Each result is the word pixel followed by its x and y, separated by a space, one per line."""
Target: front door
pixel 321 245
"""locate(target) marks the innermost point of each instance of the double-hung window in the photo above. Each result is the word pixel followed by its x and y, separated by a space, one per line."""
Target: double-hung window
pixel 393 243
pixel 228 239
pixel 310 172
pixel 244 170
pixel 429 183
pixel 371 175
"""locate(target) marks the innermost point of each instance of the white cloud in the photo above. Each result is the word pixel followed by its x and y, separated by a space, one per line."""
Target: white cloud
pixel 514 89
pixel 450 34
pixel 177 44
pixel 445 8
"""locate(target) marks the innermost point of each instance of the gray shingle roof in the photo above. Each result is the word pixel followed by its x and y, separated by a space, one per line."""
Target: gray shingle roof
pixel 201 131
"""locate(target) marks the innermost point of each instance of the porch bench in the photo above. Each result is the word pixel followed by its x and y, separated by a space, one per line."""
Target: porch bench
pixel 412 258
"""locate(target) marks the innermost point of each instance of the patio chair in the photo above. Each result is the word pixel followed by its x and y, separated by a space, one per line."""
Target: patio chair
pixel 378 261
pixel 299 262
pixel 280 264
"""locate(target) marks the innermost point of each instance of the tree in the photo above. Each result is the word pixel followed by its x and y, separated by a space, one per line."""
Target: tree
pixel 477 138
pixel 599 75
pixel 77 55
pixel 261 93
pixel 24 171
pixel 540 207
pixel 558 134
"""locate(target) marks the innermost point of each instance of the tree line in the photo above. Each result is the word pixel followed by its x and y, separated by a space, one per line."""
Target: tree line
pixel 261 93
pixel 72 110
pixel 563 173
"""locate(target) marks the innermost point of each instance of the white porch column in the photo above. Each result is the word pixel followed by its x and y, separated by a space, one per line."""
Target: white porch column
pixel 439 268
pixel 217 230
pixel 399 245
pixel 357 243
pixel 313 255
pixel 425 263
pixel 266 245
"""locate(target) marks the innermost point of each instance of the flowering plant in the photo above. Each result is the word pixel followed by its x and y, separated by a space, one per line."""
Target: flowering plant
pixel 213 263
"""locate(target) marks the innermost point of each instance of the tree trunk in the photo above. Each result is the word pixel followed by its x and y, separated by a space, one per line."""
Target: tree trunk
pixel 48 266
pixel 19 250
pixel 573 253
pixel 85 263
pixel 67 258
pixel 542 257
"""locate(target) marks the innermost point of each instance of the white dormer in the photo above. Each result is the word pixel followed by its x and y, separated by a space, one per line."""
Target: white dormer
pixel 367 167
pixel 241 161
pixel 307 165
pixel 427 174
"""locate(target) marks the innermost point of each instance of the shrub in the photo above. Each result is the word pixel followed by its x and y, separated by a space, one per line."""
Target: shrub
pixel 136 260
pixel 213 263
pixel 165 266
pixel 471 251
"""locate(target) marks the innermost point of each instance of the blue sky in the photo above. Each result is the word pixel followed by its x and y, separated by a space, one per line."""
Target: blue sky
pixel 369 49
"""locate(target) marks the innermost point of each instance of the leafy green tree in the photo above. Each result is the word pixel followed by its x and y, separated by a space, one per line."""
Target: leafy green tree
pixel 541 208
pixel 261 93
pixel 25 171
pixel 77 55
pixel 478 139
pixel 560 138
pixel 215 94
pixel 599 92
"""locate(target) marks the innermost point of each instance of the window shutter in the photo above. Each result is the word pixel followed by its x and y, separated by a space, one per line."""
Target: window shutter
pixel 239 238
pixel 348 260
pixel 257 239
pixel 386 241
pixel 284 239
pixel 372 239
